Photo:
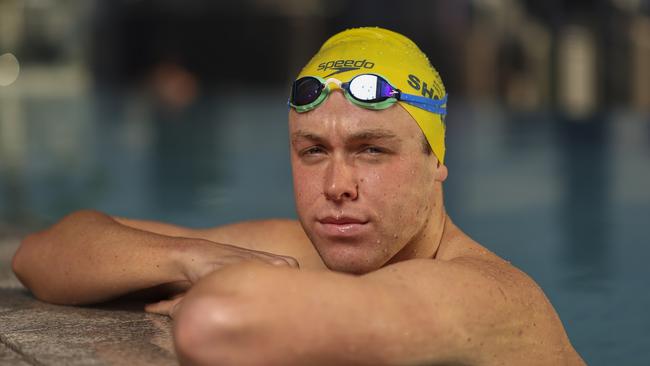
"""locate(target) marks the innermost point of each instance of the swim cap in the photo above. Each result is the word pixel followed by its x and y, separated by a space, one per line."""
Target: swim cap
pixel 389 54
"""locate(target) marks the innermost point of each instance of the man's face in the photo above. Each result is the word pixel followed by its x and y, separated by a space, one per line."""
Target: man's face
pixel 365 190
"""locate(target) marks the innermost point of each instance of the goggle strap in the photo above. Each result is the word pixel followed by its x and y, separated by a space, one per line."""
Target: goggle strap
pixel 432 105
pixel 437 106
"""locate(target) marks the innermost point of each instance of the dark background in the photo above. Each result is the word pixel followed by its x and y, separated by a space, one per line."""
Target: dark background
pixel 176 111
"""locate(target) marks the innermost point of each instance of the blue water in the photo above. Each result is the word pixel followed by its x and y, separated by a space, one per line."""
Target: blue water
pixel 566 201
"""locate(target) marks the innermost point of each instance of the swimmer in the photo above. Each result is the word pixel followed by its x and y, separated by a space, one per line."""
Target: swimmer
pixel 374 272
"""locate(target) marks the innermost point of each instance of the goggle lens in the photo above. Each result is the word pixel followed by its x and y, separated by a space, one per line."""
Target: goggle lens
pixel 370 88
pixel 306 90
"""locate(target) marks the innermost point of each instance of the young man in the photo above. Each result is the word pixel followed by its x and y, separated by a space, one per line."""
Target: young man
pixel 384 276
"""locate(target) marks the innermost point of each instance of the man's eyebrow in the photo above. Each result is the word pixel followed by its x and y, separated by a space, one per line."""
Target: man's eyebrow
pixel 363 135
pixel 301 134
pixel 373 134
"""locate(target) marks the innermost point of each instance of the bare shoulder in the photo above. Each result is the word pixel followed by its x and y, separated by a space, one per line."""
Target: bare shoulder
pixel 278 236
pixel 499 313
pixel 468 256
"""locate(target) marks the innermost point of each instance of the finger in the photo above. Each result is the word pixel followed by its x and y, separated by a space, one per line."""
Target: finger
pixel 293 262
pixel 285 261
pixel 176 305
pixel 279 261
pixel 164 307
pixel 270 258
pixel 160 307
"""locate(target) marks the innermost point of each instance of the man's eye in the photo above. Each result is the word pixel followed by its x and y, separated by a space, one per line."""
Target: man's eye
pixel 314 150
pixel 373 150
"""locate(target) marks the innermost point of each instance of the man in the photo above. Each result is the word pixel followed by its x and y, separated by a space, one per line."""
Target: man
pixel 384 275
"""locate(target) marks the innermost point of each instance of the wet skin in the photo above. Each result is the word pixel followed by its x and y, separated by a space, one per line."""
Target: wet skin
pixel 366 192
pixel 370 204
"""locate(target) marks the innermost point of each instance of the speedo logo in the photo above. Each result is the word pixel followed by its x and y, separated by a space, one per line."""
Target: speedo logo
pixel 340 66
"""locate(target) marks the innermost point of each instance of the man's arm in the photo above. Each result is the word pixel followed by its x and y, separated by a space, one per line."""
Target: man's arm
pixel 413 312
pixel 89 257
pixel 278 236
pixel 490 312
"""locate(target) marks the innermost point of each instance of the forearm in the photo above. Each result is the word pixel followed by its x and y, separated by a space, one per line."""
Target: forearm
pixel 410 313
pixel 157 227
pixel 414 313
pixel 88 257
pixel 289 317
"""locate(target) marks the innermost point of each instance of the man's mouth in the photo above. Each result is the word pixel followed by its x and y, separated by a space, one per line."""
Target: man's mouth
pixel 341 226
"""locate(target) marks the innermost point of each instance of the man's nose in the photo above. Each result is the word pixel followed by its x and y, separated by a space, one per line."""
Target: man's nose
pixel 341 183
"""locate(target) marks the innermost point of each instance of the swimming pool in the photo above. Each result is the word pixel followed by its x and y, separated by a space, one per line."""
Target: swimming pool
pixel 566 201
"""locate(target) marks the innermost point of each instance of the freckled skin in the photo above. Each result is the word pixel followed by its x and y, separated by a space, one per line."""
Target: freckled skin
pixel 460 304
pixel 346 179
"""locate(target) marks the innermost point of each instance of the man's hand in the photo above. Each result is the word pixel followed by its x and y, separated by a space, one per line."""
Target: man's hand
pixel 200 261
pixel 204 258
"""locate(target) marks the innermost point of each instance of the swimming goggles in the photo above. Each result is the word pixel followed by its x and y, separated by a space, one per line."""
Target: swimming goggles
pixel 369 91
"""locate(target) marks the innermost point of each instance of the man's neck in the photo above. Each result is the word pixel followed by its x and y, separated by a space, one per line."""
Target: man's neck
pixel 426 243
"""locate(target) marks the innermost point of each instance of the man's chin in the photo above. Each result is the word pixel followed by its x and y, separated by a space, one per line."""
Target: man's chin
pixel 353 262
pixel 354 254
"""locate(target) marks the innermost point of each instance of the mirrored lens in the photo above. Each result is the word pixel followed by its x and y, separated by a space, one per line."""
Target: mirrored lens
pixel 370 88
pixel 306 90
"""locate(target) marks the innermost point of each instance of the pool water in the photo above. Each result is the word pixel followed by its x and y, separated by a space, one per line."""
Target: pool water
pixel 566 201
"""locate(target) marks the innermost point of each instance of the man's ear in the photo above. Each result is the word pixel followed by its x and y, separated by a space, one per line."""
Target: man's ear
pixel 441 172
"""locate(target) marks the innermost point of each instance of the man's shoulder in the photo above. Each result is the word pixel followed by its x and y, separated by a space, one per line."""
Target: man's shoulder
pixel 485 297
pixel 523 305
pixel 470 257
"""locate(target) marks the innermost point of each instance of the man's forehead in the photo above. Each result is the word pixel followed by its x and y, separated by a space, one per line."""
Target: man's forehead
pixel 338 117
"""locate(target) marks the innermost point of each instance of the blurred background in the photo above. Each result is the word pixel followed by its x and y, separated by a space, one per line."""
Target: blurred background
pixel 176 111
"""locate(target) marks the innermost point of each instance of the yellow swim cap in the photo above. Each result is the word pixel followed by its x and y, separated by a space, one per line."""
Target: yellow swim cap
pixel 393 56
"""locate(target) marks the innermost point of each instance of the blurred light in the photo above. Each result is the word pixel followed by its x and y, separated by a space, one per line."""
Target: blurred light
pixel 641 62
pixel 577 71
pixel 9 69
pixel 628 5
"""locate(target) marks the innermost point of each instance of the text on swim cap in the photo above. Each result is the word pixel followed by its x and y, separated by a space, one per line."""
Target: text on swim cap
pixel 344 65
pixel 414 82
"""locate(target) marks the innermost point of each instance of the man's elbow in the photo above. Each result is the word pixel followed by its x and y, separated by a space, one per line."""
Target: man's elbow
pixel 17 263
pixel 219 324
pixel 30 252
pixel 209 331
pixel 25 265
pixel 22 261
pixel 33 262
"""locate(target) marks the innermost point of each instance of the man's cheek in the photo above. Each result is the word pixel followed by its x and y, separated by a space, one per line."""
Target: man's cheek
pixel 310 194
pixel 406 204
